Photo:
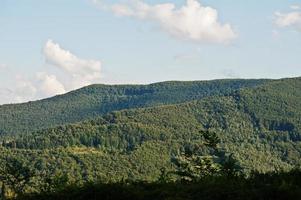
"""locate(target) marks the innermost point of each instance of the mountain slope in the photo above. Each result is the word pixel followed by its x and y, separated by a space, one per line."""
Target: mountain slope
pixel 261 126
pixel 95 100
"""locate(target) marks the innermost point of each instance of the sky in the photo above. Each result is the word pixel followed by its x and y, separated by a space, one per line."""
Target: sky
pixel 51 47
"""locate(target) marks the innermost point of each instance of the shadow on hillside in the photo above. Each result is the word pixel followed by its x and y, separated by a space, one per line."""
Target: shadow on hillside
pixel 273 186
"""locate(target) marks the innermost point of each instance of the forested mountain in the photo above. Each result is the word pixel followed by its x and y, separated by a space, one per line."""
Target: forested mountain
pixel 261 126
pixel 258 126
pixel 95 100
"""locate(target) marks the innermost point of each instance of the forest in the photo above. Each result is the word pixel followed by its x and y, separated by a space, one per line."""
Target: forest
pixel 91 101
pixel 222 139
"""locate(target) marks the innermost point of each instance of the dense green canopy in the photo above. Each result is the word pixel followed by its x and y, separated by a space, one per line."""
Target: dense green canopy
pixel 95 100
pixel 259 125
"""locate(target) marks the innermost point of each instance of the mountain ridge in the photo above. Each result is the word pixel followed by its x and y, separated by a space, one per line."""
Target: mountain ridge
pixel 95 100
pixel 248 122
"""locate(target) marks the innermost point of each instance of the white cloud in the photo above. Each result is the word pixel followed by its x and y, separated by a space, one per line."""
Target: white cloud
pixel 291 19
pixel 192 21
pixel 100 4
pixel 48 85
pixel 76 73
pixel 40 86
pixel 82 72
pixel 122 10
pixel 3 66
pixel 23 90
pixel 230 73
pixel 5 95
pixel 16 91
pixel 295 7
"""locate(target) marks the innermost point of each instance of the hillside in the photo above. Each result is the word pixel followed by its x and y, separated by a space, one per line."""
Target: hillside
pixel 96 100
pixel 260 126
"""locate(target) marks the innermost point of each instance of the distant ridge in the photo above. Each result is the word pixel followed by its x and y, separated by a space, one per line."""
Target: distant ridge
pixel 96 100
pixel 261 126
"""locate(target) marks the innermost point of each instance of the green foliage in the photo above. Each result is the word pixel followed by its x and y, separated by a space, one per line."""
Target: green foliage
pixel 195 167
pixel 14 175
pixel 272 186
pixel 240 120
pixel 95 100
pixel 259 127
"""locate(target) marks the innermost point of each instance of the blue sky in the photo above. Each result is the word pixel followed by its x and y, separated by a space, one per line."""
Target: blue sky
pixel 264 41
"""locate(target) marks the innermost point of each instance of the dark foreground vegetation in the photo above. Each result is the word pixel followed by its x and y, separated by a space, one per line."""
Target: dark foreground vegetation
pixel 272 186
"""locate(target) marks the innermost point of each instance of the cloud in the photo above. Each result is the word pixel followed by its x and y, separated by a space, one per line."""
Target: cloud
pixel 229 73
pixel 290 19
pixel 76 73
pixel 81 72
pixel 192 21
pixel 40 86
pixel 23 90
pixel 48 85
pixel 295 7
pixel 3 66
pixel 19 90
pixel 101 4
pixel 5 95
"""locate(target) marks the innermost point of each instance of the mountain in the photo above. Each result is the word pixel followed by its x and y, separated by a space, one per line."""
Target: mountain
pixel 89 102
pixel 261 126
